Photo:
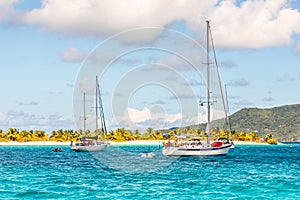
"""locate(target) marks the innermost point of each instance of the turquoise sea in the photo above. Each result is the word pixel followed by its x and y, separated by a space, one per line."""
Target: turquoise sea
pixel 247 172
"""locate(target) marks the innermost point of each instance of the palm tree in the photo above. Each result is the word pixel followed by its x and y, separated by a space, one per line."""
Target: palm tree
pixel 158 135
pixel 189 130
pixel 234 135
pixel 175 131
pixel 270 140
pixel 254 136
pixel 11 134
pixel 110 135
pixel 241 136
pixel 120 135
pixel 148 132
pixel 198 131
pixel 137 134
pixel 2 136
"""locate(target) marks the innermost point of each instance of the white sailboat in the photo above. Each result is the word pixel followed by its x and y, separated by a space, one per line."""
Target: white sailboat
pixel 93 144
pixel 194 146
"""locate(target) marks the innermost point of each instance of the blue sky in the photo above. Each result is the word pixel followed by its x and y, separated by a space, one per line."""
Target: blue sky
pixel 46 44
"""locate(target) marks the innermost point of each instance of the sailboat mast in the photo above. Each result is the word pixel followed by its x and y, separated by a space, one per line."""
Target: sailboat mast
pixel 84 114
pixel 97 105
pixel 208 84
pixel 102 118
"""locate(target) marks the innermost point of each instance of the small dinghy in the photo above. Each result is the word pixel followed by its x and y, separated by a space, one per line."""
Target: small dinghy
pixel 147 155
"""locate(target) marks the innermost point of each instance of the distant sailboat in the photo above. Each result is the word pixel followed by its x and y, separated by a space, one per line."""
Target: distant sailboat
pixel 93 144
pixel 194 146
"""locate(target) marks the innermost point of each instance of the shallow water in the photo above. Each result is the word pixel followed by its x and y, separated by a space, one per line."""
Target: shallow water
pixel 247 172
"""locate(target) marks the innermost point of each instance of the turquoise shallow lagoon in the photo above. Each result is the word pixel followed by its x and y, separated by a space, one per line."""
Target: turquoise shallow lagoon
pixel 247 172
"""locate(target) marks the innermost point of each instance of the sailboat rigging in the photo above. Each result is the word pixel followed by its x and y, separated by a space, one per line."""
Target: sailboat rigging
pixel 195 147
pixel 228 120
pixel 84 114
pixel 93 144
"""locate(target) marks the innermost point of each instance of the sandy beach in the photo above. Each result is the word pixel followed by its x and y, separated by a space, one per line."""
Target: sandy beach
pixel 248 143
pixel 51 143
pixel 136 142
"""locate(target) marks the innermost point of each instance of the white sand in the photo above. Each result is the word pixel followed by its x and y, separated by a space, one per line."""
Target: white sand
pixel 50 143
pixel 248 143
pixel 139 142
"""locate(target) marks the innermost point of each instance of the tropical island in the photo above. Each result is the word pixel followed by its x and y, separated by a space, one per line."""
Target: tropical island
pixel 123 135
pixel 248 125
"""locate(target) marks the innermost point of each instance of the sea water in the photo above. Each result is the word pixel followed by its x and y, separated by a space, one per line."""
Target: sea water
pixel 247 172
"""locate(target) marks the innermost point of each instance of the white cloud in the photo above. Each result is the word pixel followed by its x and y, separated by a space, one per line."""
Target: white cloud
pixel 138 116
pixel 6 9
pixel 28 121
pixel 72 55
pixel 2 117
pixel 249 24
pixel 141 119
pixel 103 18
pixel 255 24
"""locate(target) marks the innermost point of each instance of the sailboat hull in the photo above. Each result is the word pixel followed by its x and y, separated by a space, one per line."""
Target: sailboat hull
pixel 196 151
pixel 89 148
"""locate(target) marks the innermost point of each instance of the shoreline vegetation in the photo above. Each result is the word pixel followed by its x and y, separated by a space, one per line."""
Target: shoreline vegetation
pixel 13 136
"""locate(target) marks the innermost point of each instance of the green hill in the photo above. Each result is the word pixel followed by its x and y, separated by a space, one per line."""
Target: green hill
pixel 282 122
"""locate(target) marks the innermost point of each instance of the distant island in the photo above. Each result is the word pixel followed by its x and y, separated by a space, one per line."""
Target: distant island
pixel 282 122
